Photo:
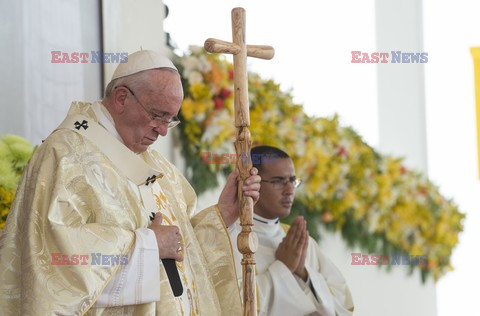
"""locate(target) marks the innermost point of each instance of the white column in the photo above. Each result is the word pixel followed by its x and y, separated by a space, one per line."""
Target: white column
pixel 12 65
pixel 402 120
pixel 401 99
pixel 36 93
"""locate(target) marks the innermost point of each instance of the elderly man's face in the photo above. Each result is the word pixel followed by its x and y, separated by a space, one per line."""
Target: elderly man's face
pixel 276 199
pixel 161 98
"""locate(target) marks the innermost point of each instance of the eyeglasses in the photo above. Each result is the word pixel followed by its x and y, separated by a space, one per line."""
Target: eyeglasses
pixel 282 183
pixel 174 121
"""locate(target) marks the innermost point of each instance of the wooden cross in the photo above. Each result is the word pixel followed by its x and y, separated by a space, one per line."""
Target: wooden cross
pixel 247 241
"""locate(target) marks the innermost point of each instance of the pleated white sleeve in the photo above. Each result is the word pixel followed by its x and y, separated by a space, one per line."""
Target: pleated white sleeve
pixel 138 281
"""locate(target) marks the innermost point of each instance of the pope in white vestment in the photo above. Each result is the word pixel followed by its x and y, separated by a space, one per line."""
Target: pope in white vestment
pixel 80 240
pixel 289 281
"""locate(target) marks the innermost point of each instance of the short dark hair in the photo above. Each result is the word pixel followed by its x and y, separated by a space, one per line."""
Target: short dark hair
pixel 264 151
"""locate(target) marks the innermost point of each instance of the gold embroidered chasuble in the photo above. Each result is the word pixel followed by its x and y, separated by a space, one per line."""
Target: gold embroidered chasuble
pixel 85 193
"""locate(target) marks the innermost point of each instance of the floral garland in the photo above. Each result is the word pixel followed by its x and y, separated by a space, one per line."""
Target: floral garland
pixel 15 152
pixel 375 201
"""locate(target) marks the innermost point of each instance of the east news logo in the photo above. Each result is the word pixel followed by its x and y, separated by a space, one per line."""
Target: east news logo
pixel 394 57
pixel 84 259
pixel 396 259
pixel 59 57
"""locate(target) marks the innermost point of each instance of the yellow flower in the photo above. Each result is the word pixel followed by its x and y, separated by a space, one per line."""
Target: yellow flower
pixel 199 91
pixel 6 200
pixel 188 108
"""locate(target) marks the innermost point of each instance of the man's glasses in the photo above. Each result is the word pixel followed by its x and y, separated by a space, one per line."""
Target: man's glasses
pixel 174 121
pixel 281 183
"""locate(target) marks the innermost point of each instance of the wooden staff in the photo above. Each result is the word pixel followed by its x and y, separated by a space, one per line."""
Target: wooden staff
pixel 247 241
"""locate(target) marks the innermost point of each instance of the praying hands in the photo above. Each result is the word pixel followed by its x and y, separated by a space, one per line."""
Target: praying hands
pixel 292 251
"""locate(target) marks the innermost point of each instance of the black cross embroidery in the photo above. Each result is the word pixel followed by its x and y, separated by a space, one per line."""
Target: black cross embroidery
pixel 150 180
pixel 152 216
pixel 78 125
